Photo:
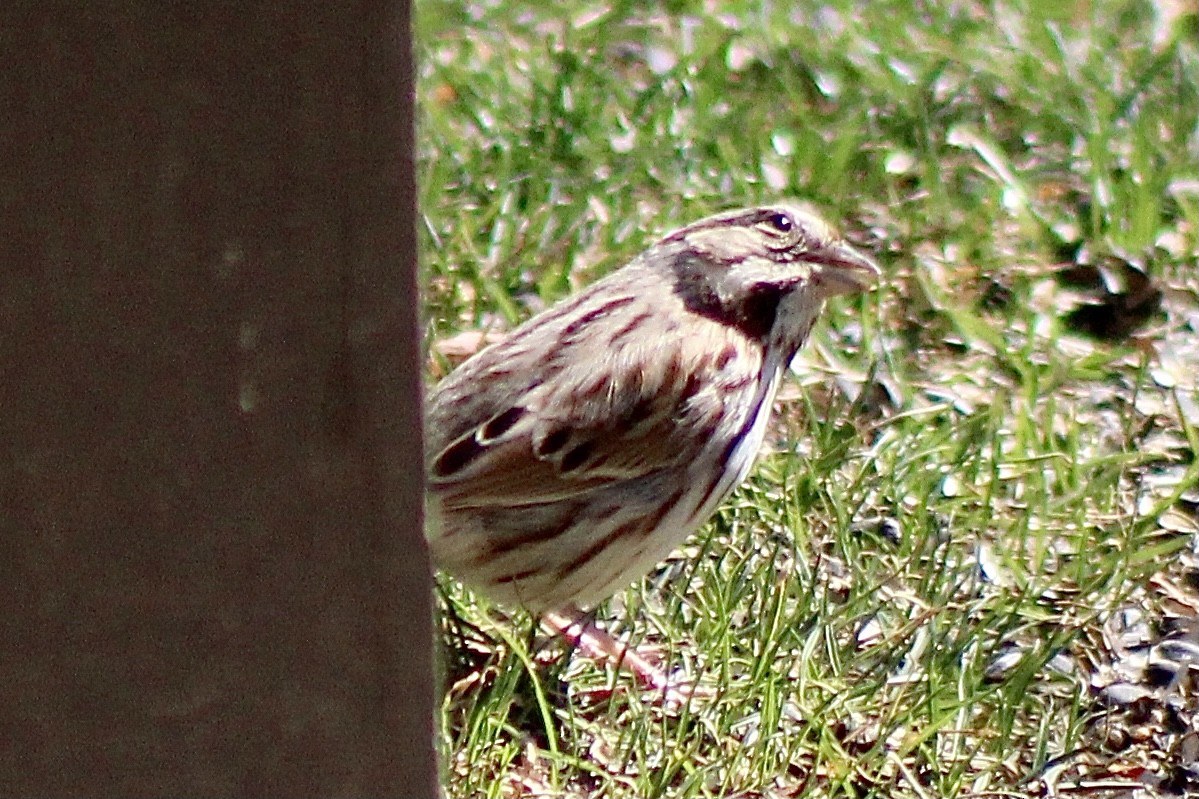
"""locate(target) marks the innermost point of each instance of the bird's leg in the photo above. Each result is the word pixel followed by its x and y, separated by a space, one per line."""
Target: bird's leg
pixel 577 627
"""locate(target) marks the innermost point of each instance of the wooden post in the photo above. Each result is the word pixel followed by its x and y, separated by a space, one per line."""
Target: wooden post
pixel 212 574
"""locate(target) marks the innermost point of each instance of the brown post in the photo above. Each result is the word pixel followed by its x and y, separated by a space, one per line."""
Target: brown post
pixel 212 575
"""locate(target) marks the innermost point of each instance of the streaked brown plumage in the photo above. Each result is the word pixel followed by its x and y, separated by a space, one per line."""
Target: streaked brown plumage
pixel 569 458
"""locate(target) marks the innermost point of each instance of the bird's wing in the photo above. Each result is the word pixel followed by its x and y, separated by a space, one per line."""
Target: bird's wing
pixel 517 426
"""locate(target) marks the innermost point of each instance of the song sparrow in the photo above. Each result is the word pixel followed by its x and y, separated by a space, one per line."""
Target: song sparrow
pixel 569 458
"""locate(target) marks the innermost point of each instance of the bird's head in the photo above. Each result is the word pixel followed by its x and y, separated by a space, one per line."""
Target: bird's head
pixel 766 269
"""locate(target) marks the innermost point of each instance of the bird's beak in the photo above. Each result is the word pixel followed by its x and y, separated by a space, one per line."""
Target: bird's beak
pixel 844 270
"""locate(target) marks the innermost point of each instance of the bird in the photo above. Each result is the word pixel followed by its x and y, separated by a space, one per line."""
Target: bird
pixel 569 458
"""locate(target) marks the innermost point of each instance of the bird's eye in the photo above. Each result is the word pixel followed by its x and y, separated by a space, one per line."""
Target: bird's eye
pixel 781 222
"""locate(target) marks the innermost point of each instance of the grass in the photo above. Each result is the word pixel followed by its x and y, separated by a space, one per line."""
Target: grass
pixel 975 471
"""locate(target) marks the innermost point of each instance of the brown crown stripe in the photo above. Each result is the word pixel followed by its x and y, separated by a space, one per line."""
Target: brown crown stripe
pixel 748 218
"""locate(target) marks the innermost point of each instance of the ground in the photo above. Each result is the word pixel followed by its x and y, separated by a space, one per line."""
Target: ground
pixel 968 563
